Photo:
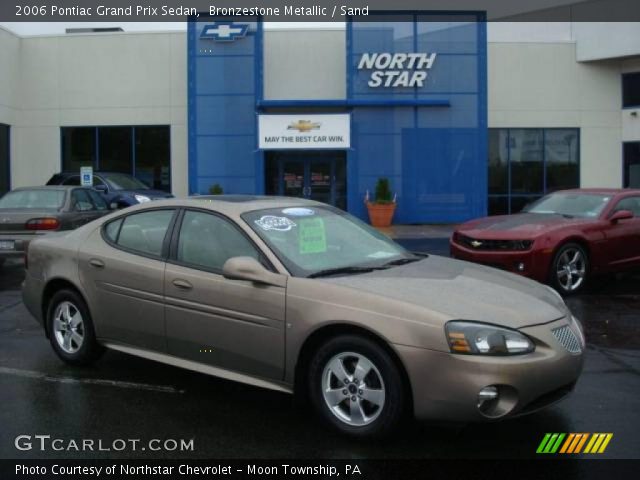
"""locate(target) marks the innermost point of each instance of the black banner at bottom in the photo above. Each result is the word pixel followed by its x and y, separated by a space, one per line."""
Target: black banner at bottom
pixel 237 469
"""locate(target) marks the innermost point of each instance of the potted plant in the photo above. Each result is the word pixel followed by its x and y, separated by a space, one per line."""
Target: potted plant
pixel 381 210
pixel 216 189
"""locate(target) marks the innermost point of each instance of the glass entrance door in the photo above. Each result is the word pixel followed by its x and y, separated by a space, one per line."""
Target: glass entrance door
pixel 319 176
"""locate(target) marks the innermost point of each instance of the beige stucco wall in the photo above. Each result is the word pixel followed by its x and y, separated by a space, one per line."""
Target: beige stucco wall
pixel 542 85
pixel 96 79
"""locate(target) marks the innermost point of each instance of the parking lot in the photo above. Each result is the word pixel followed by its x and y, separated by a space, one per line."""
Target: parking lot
pixel 131 398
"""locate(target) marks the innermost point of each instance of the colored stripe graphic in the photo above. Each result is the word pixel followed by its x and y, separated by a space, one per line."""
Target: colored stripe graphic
pixel 598 443
pixel 550 443
pixel 543 443
pixel 574 442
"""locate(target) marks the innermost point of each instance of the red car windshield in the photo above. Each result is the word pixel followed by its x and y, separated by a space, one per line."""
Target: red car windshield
pixel 586 205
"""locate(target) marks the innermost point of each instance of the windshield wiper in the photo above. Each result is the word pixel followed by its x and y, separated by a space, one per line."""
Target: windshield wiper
pixel 346 270
pixel 402 261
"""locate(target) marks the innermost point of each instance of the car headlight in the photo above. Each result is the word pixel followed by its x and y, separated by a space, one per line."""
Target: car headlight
pixel 482 339
pixel 142 198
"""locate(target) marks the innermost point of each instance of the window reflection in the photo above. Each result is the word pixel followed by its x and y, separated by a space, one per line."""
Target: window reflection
pixel 526 163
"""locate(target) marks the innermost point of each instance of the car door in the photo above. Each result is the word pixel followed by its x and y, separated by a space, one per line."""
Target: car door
pixel 625 235
pixel 121 266
pixel 232 324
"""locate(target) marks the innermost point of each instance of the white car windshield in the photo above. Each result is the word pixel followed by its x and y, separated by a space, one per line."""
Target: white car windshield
pixel 312 241
pixel 587 205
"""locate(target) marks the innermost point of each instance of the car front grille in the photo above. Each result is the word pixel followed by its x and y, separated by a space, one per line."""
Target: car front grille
pixel 567 339
pixel 493 245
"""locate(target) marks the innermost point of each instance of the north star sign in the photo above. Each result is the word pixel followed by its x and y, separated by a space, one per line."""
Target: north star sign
pixel 397 69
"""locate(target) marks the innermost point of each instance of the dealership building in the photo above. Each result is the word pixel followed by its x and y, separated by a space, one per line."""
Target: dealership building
pixel 462 116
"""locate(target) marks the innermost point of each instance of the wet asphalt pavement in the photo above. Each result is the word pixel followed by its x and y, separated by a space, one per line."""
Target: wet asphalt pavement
pixel 130 398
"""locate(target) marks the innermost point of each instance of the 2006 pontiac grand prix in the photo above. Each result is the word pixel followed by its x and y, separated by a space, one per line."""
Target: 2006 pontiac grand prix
pixel 294 295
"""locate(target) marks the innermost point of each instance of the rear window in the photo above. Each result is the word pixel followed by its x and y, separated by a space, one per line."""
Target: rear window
pixel 37 199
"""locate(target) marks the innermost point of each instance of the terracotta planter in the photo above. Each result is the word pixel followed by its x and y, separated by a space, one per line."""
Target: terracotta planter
pixel 380 215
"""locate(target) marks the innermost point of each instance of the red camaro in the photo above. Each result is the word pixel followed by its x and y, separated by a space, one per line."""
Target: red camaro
pixel 562 239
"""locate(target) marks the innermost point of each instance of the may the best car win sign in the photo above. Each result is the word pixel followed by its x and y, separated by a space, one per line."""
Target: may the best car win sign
pixel 332 131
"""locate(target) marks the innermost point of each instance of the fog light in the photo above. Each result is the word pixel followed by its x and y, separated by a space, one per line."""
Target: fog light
pixel 486 396
pixel 520 267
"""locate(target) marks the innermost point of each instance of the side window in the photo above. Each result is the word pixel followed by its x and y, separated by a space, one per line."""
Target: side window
pixel 208 241
pixel 631 203
pixel 98 201
pixel 80 201
pixel 145 232
pixel 75 181
pixel 112 229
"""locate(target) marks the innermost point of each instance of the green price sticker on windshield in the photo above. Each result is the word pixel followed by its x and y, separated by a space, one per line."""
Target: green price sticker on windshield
pixel 312 237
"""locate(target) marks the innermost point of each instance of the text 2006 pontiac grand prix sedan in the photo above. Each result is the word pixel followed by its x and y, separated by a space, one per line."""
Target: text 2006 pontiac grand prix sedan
pixel 295 295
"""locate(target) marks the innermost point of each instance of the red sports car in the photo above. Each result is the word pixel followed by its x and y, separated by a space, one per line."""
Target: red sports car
pixel 562 239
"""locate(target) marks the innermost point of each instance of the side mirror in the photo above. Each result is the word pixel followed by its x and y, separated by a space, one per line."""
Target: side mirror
pixel 101 188
pixel 621 215
pixel 247 268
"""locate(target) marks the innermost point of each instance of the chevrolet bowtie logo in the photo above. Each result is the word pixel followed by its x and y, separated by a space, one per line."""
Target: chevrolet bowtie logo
pixel 225 31
pixel 476 243
pixel 304 126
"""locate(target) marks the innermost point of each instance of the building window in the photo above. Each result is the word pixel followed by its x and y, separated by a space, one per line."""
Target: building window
pixel 527 163
pixel 632 165
pixel 5 184
pixel 142 151
pixel 631 90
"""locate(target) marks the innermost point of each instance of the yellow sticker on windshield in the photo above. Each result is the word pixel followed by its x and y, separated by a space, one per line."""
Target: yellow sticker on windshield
pixel 312 237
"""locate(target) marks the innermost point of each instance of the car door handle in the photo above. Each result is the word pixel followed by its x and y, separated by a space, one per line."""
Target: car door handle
pixel 182 284
pixel 94 262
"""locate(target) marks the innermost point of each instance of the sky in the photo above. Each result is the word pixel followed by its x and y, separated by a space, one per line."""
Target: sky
pixel 47 28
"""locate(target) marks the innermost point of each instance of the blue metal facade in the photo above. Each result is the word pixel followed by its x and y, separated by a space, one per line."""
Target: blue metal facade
pixel 430 141
pixel 224 85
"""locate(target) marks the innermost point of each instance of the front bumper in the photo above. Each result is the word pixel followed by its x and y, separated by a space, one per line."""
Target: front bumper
pixel 535 263
pixel 445 386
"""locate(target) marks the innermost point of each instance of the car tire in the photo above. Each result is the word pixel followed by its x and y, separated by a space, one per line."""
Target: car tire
pixel 369 406
pixel 569 269
pixel 71 331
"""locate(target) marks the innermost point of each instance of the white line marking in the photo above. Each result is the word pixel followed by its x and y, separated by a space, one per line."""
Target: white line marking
pixel 89 381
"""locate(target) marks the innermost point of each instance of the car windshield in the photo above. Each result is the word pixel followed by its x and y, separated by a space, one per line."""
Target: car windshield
pixel 40 199
pixel 122 181
pixel 585 205
pixel 316 240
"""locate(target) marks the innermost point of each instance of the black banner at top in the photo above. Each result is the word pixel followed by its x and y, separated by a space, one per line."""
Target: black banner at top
pixel 312 11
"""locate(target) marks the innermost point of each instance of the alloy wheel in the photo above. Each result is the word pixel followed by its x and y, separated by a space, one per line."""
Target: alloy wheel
pixel 353 389
pixel 68 327
pixel 571 269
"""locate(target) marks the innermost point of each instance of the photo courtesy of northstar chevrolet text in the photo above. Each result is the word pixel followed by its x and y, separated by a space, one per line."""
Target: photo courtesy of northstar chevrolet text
pixel 372 240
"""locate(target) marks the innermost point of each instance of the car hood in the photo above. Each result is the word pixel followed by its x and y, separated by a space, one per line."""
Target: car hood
pixel 519 226
pixel 462 290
